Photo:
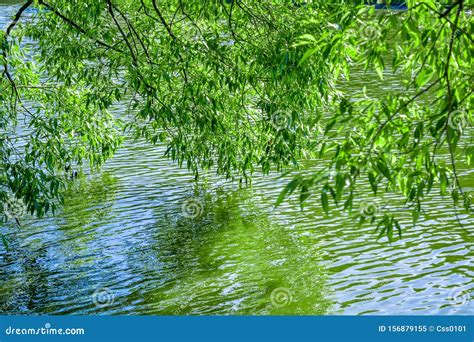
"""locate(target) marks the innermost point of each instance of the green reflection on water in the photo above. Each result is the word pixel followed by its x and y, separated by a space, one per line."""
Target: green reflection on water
pixel 235 260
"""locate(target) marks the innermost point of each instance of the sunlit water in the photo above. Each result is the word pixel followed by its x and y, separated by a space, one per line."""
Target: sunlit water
pixel 142 238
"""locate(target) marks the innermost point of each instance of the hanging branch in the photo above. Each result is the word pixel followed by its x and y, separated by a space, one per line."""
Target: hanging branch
pixel 10 27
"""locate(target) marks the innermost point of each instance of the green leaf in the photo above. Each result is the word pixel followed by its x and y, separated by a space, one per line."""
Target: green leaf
pixel 288 190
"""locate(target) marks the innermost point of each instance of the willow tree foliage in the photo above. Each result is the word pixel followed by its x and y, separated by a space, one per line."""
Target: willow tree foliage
pixel 236 87
pixel 399 143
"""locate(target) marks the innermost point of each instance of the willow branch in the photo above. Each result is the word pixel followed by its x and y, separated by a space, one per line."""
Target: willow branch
pixel 76 26
pixel 10 27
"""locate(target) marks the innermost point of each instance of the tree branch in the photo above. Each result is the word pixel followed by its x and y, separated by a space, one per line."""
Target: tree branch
pixel 74 25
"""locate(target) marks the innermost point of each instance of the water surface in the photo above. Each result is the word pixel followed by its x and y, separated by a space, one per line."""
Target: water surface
pixel 129 241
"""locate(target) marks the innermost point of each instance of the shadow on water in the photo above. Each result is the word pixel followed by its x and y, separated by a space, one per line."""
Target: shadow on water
pixel 225 257
pixel 24 281
pixel 231 260
pixel 40 257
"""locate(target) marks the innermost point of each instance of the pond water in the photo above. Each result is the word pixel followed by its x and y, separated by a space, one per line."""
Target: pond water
pixel 142 238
